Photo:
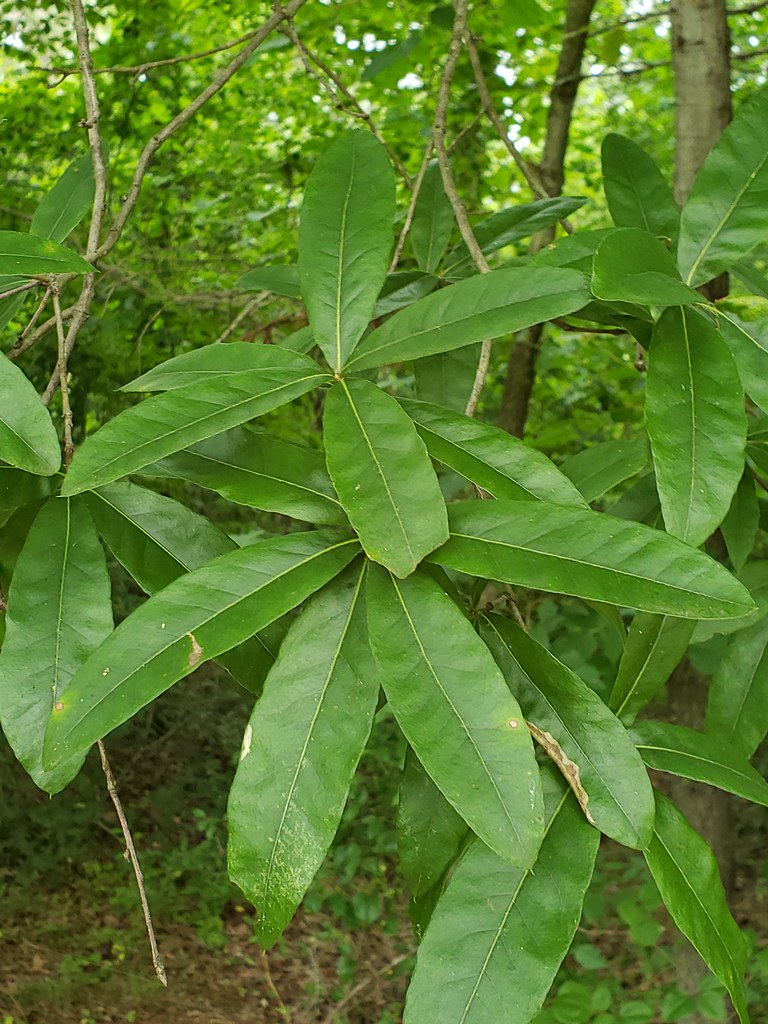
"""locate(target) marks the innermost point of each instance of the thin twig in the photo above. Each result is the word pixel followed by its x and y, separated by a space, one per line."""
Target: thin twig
pixel 439 129
pixel 28 338
pixel 131 855
pixel 361 986
pixel 27 286
pixel 417 183
pixel 284 1011
pixel 61 372
pixel 93 116
pixel 3 602
pixel 230 329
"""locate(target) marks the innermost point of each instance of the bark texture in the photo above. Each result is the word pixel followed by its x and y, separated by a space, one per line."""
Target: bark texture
pixel 521 368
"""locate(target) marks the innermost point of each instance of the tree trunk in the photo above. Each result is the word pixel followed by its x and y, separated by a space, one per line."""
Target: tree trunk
pixel 521 368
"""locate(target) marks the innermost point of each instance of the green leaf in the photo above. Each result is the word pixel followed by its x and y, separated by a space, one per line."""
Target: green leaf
pixel 280 280
pixel 694 413
pixel 28 438
pixel 446 379
pixel 688 878
pixel 513 224
pixel 590 555
pixel 59 610
pixel 197 617
pixel 633 266
pixel 605 768
pixel 345 241
pixel 654 647
pixel 486 306
pixel 456 711
pixel 169 422
pixel 754 576
pixel 383 476
pixel 211 361
pixel 28 256
pixel 740 526
pixel 499 933
pixel 640 503
pixel 748 342
pixel 255 468
pixel 432 221
pixel 401 289
pixel 429 831
pixel 18 488
pixel 637 192
pixel 737 709
pixel 503 465
pixel 600 468
pixel 70 199
pixel 698 756
pixel 157 540
pixel 9 307
pixel 725 215
pixel 300 751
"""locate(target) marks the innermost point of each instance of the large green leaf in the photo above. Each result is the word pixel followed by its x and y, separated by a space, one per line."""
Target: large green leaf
pixel 602 763
pixel 701 757
pixel 600 468
pixel 456 711
pixel 737 709
pixel 157 540
pixel 688 878
pixel 726 213
pixel 694 412
pixel 345 241
pixel 59 611
pixel 70 199
pixel 197 617
pixel 429 831
pixel 499 933
pixel 432 221
pixel 281 280
pixel 486 306
pixel 18 488
pixel 28 438
pixel 633 266
pixel 740 526
pixel 492 458
pixel 754 576
pixel 516 222
pixel 203 364
pixel 654 647
pixel 637 192
pixel 29 256
pixel 383 476
pixel 258 469
pixel 169 422
pixel 748 342
pixel 401 289
pixel 446 379
pixel 590 555
pixel 300 751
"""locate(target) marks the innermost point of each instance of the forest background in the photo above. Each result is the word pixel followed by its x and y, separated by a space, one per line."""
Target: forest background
pixel 221 196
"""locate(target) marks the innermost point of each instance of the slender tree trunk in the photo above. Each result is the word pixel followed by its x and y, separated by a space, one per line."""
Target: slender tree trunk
pixel 521 368
pixel 701 61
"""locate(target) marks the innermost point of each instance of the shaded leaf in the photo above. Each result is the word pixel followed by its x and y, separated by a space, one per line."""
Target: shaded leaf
pixel 486 306
pixel 637 192
pixel 694 413
pixel 499 933
pixel 640 503
pixel 383 475
pixel 198 616
pixel 616 789
pixel 655 646
pixel 70 199
pixel 29 256
pixel 748 342
pixel 59 611
pixel 18 488
pixel 300 751
pixel 456 711
pixel 502 464
pixel 737 709
pixel 633 266
pixel 345 241
pixel 432 221
pixel 600 468
pixel 590 555
pixel 255 468
pixel 740 526
pixel 724 216
pixel 28 438
pixel 688 878
pixel 280 280
pixel 166 423
pixel 401 289
pixel 446 379
pixel 698 756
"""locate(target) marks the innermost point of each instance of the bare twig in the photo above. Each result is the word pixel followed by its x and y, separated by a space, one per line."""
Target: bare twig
pixel 131 855
pixel 27 286
pixel 30 337
pixel 636 19
pixel 285 1013
pixel 3 602
pixel 439 130
pixel 417 183
pixel 61 372
pixel 232 326
pixel 361 986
